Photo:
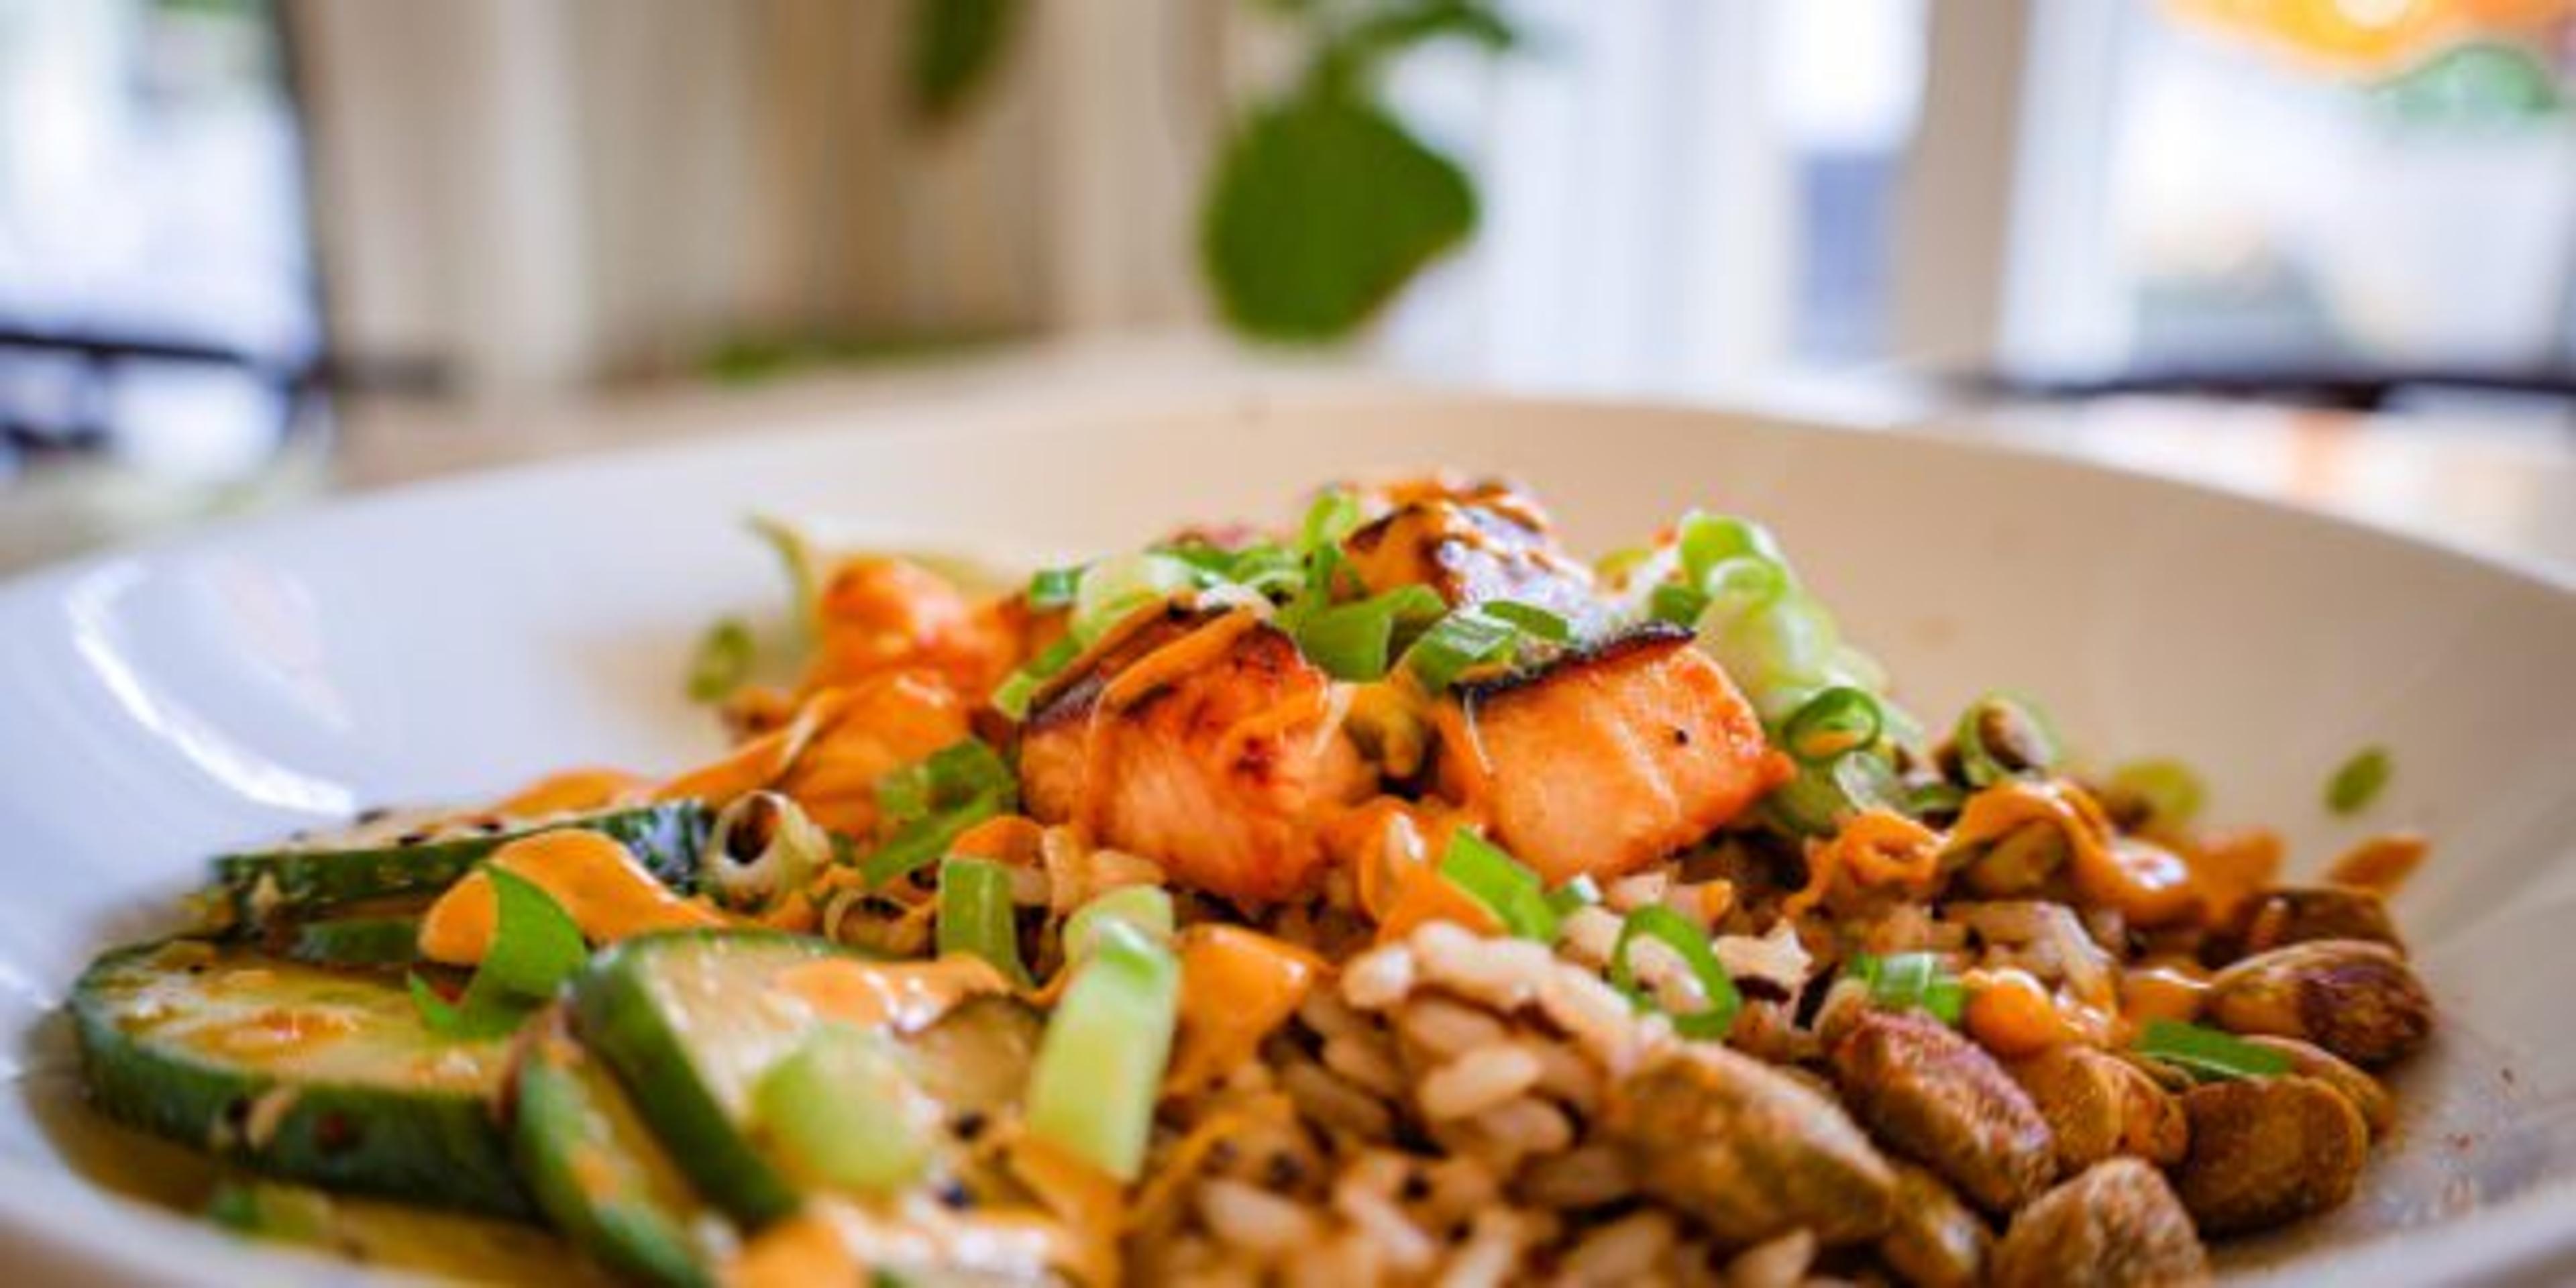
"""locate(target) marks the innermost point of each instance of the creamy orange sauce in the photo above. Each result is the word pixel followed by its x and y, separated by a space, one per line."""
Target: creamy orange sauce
pixel 2149 884
pixel 2163 991
pixel 799 1251
pixel 2380 864
pixel 1875 847
pixel 903 996
pixel 1012 840
pixel 1236 986
pixel 2232 867
pixel 594 879
pixel 573 790
pixel 1090 1204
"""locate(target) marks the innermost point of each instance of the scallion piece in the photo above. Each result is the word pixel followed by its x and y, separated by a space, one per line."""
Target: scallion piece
pixel 923 841
pixel 1012 698
pixel 1100 1066
pixel 535 947
pixel 722 661
pixel 1511 892
pixel 2208 1054
pixel 1335 514
pixel 1707 540
pixel 2358 781
pixel 1660 923
pixel 1911 982
pixel 845 1114
pixel 1118 586
pixel 1351 641
pixel 976 917
pixel 1837 721
pixel 2001 737
pixel 1053 588
pixel 1457 643
pixel 2169 789
pixel 1676 603
pixel 1581 892
pixel 1144 910
pixel 1535 622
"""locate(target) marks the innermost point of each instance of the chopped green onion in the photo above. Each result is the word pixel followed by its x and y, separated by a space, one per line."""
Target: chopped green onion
pixel 976 917
pixel 2358 781
pixel 923 841
pixel 1335 514
pixel 2170 790
pixel 1117 587
pixel 722 661
pixel 1658 922
pixel 1053 588
pixel 1511 892
pixel 1824 793
pixel 1100 1065
pixel 1351 641
pixel 1142 909
pixel 1911 982
pixel 1934 798
pixel 2208 1054
pixel 903 793
pixel 1457 643
pixel 1708 540
pixel 535 947
pixel 1536 622
pixel 2001 737
pixel 1581 892
pixel 945 779
pixel 845 1113
pixel 1012 698
pixel 1839 720
pixel 1676 603
pixel 1268 568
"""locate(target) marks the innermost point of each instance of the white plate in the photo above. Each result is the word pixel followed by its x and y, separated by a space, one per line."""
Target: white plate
pixel 447 641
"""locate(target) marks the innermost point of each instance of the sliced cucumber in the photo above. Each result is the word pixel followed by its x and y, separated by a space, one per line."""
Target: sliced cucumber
pixel 399 857
pixel 357 941
pixel 296 1071
pixel 688 1024
pixel 399 1237
pixel 598 1173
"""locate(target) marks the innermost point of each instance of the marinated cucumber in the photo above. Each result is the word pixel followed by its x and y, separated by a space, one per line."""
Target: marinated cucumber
pixel 398 857
pixel 296 1071
pixel 399 1237
pixel 681 1018
pixel 357 941
pixel 598 1174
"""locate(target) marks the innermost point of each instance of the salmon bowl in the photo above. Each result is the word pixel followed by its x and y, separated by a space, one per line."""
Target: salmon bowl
pixel 453 641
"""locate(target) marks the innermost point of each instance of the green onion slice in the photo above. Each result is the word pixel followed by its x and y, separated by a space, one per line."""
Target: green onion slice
pixel 1911 982
pixel 1100 1065
pixel 1708 540
pixel 1457 643
pixel 923 841
pixel 1658 922
pixel 1120 585
pixel 1508 890
pixel 2001 737
pixel 1139 909
pixel 1676 603
pixel 1351 641
pixel 722 661
pixel 2208 1054
pixel 1536 622
pixel 1012 697
pixel 1053 588
pixel 1581 892
pixel 1836 721
pixel 1334 514
pixel 2171 791
pixel 976 916
pixel 845 1113
pixel 535 947
pixel 2358 781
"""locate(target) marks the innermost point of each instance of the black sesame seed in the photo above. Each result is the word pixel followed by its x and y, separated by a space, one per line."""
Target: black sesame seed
pixel 1681 736
pixel 373 814
pixel 411 838
pixel 952 1194
pixel 1283 1171
pixel 970 1125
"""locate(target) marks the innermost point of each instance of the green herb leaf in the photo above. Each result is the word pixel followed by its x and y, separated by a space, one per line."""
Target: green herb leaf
pixel 535 947
pixel 722 660
pixel 2359 780
pixel 1674 931
pixel 1513 893
pixel 2208 1054
pixel 1322 208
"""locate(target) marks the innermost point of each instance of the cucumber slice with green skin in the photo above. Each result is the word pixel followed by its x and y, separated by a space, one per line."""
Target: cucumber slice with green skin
pixel 681 1017
pixel 597 1172
pixel 357 941
pixel 295 1071
pixel 389 859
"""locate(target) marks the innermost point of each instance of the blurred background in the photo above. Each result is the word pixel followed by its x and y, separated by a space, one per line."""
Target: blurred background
pixel 256 251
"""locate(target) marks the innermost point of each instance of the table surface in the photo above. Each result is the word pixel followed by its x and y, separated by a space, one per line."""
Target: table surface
pixel 2501 485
